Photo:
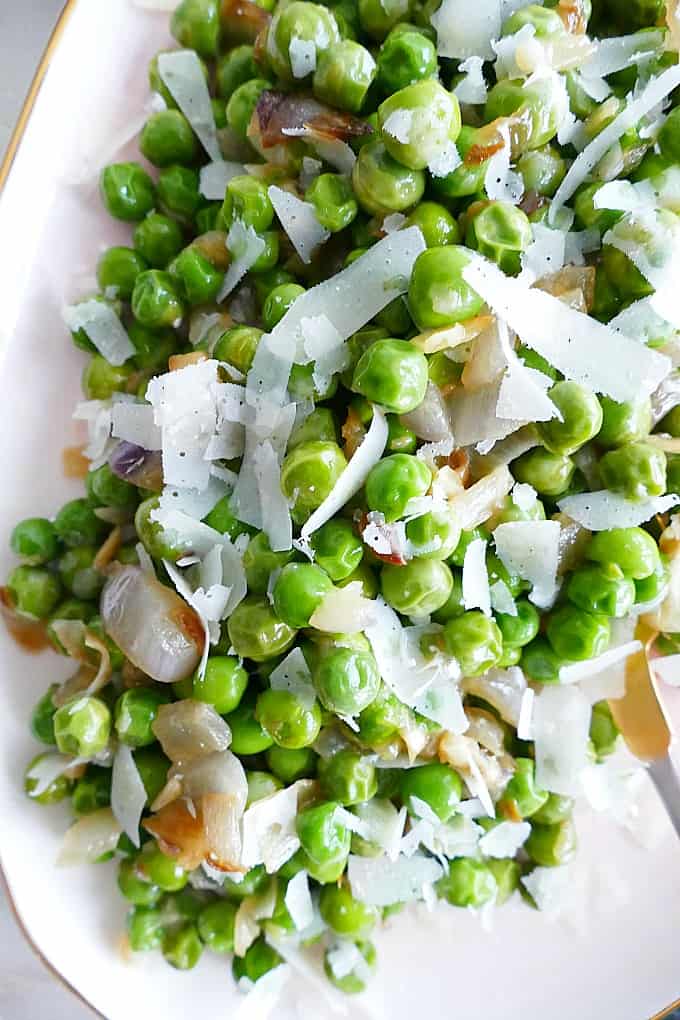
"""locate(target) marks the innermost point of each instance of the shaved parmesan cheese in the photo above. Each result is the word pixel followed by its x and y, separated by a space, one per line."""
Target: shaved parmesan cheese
pixel 472 88
pixel 500 182
pixel 103 328
pixel 354 475
pixel 293 674
pixel 667 669
pixel 215 177
pixel 545 254
pixel 441 702
pixel 615 54
pixel 97 414
pixel 523 394
pixel 381 882
pixel 46 769
pixel 655 92
pixel 549 888
pixel 382 824
pixel 135 424
pixel 531 549
pixel 526 712
pixel 298 900
pixel 269 835
pixel 300 222
pixel 475 578
pixel 604 510
pixel 276 520
pixel 344 957
pixel 89 838
pixel 578 671
pixel 264 996
pixel 192 502
pixel 624 196
pixel 466 30
pixel 245 247
pixel 524 496
pixel 128 795
pixel 182 73
pixel 326 348
pixel 501 599
pixel 475 505
pixel 651 240
pixel 504 839
pixel 399 124
pixel 302 53
pixel 445 161
pixel 567 338
pixel 343 611
pixel 561 724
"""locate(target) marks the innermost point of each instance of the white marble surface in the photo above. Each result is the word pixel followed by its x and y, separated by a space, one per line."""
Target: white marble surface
pixel 27 990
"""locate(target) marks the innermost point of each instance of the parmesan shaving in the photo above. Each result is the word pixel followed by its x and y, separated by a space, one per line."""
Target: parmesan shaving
pixel 300 222
pixel 381 882
pixel 578 671
pixel 604 510
pixel 561 723
pixel 128 795
pixel 476 593
pixel 103 328
pixel 531 549
pixel 466 30
pixel 246 247
pixel 298 900
pixel 215 177
pixel 135 424
pixel 344 610
pixel 504 839
pixel 182 73
pixel 302 53
pixel 472 89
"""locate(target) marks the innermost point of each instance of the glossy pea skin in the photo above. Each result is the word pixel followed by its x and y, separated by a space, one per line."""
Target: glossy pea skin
pixel 400 439
pixel 378 17
pixel 474 641
pixel 145 928
pixel 258 960
pixel 35 541
pixel 405 57
pixel 237 346
pixel 78 574
pixel 419 588
pixel 334 202
pixel 299 591
pixel 242 103
pixel 352 984
pixel 222 685
pixel 381 184
pixel 433 535
pixel 392 373
pixel 158 239
pixel 635 470
pixel 652 587
pixel 346 680
pixel 602 589
pixel 540 662
pixel 155 540
pixel 77 524
pixel 437 785
pixel 549 473
pixel 545 22
pixel 196 25
pixel 517 631
pixel 298 21
pixel 138 891
pixel 438 295
pixel 537 102
pixel 182 947
pixel 468 883
pixel 522 797
pixel 633 549
pixel 216 926
pixel 308 474
pixel 431 122
pixel 278 302
pixel 127 191
pixel 290 764
pixel 152 766
pixel 347 777
pixel 135 713
pixel 106 489
pixel 437 225
pixel 260 785
pixel 34 591
pixel 394 481
pixel 325 841
pixel 467 179
pixel 160 869
pixel 179 192
pixel 337 548
pixel 247 735
pixel 247 200
pixel 582 418
pixel 625 422
pixel 200 282
pixel 82 726
pixel 343 75
pixel 507 875
pixel 234 68
pixel 289 721
pixel 256 632
pixel 55 792
pixel 552 845
pixel 454 605
pixel 382 719
pixel 156 301
pixel 556 808
pixel 604 733
pixel 42 717
pixel 542 170
pixel 501 232
pixel 577 635
pixel 117 270
pixel 167 138
pixel 346 916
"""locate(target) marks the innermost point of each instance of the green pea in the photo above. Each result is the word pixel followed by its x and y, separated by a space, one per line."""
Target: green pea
pixel 556 808
pixel 542 170
pixel 55 792
pixel 394 481
pixel 625 277
pixel 247 735
pixel 263 283
pixel 301 384
pixel 457 557
pixel 260 785
pixel 474 641
pixel 400 439
pixel 545 22
pixel 299 591
pixel 82 726
pixel 42 717
pixel 200 282
pixel 549 473
pixel 179 192
pixel 346 680
pixel 160 869
pixel 468 883
pixel 602 589
pixel 517 631
pixel 347 777
pixel 635 552
pixel 552 845
pixel 419 588
pixel 167 138
pixel 438 295
pixel 152 766
pixel 117 270
pixel 252 882
pixel 576 634
pixel 507 874
pixel 145 929
pixel 136 890
pixel 35 541
pixel 308 474
pixel 405 57
pixel 182 947
pixel 588 217
pixel 92 791
pixel 454 605
pixel 522 797
pixel 260 562
pixel 127 191
pixel 247 200
pixel 256 632
pixel 334 202
pixel 468 178
pixel 635 470
pixel 278 302
pixel 237 346
pixel 156 301
pixel 392 373
pixel 436 785
pixel 540 662
pixel 34 591
pixel 158 239
pixel 106 489
pixel 135 713
pixel 651 588
pixel 624 422
pixel 290 721
pixel 581 418
pixel 78 574
pixel 325 841
pixel 604 733
pixel 381 184
pixel 216 926
pixel 433 535
pixel 343 75
pixel 235 68
pixel 338 550
pixel 437 225
pixel 196 26
pixel 419 122
pixel 258 960
pixel 101 380
pixel 382 719
pixel 290 764
pixel 241 105
pixel 378 17
pixel 296 23
pixel 501 232
pixel 345 915
pixel 157 542
pixel 352 983
pixel 77 524
pixel 538 105
pixel 222 685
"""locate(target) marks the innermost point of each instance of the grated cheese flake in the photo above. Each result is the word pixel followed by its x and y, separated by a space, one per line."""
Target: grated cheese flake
pixel 561 724
pixel 182 73
pixel 302 53
pixel 604 510
pixel 298 900
pixel 466 30
pixel 381 882
pixel 531 549
pixel 504 839
pixel 472 89
pixel 134 423
pixel 245 247
pixel 300 222
pixel 215 176
pixel 103 328
pixel 476 593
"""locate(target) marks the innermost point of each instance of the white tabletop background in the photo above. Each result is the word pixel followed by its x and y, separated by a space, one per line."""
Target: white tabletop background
pixel 27 991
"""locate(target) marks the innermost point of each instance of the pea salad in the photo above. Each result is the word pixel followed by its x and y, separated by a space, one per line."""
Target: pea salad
pixel 382 408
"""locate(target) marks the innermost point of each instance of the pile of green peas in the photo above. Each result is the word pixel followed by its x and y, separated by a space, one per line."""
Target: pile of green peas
pixel 375 67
